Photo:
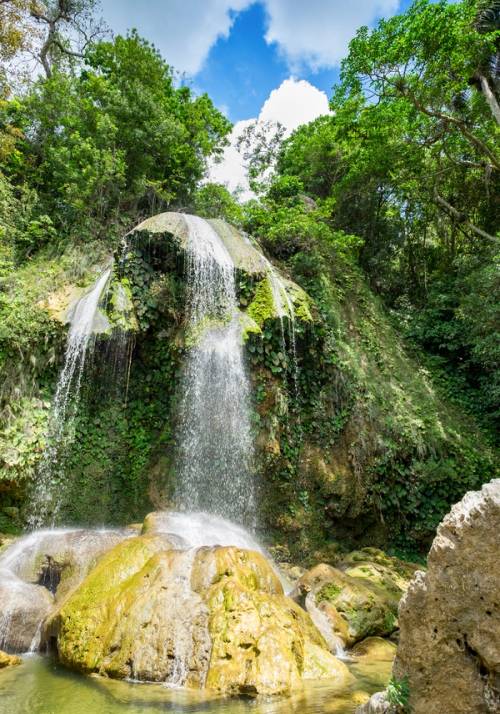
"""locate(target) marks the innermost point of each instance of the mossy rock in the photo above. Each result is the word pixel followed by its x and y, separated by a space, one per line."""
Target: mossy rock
pixel 262 307
pixel 212 617
pixel 262 642
pixel 170 224
pixel 8 660
pixel 364 593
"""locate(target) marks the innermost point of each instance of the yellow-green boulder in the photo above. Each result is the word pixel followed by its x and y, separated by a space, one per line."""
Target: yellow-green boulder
pixel 8 660
pixel 360 597
pixel 207 617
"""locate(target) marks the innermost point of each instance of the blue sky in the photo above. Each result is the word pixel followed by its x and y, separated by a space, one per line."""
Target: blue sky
pixel 259 60
pixel 240 50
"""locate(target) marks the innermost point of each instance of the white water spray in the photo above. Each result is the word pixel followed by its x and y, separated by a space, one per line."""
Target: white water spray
pixel 46 497
pixel 215 442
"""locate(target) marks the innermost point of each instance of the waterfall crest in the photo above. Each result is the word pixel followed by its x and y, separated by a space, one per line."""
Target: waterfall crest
pixel 214 466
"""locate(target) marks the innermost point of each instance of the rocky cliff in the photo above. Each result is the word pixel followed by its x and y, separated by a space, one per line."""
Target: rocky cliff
pixel 354 443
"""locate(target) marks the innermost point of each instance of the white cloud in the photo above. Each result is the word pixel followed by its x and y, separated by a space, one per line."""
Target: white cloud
pixel 316 33
pixel 293 103
pixel 313 33
pixel 183 30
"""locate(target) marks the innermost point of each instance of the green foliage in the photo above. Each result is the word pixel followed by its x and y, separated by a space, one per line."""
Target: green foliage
pixel 117 137
pixel 407 161
pixel 213 200
pixel 398 694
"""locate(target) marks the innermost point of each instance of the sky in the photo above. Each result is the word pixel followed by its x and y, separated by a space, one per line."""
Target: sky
pixel 274 60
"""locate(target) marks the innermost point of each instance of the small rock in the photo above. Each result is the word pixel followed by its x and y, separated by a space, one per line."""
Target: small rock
pixel 377 704
pixel 7 660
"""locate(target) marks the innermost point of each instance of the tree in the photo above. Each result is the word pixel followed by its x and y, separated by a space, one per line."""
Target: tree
pixel 68 28
pixel 116 140
pixel 408 162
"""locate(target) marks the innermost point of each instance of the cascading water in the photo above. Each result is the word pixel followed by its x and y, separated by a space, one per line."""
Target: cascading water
pixel 46 497
pixel 323 624
pixel 215 451
pixel 182 626
pixel 30 573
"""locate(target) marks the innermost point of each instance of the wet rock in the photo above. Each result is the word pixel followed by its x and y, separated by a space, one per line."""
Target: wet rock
pixel 59 560
pixel 214 617
pixel 375 649
pixel 23 607
pixel 157 523
pixel 7 660
pixel 359 597
pixel 378 704
pixel 291 571
pixel 449 644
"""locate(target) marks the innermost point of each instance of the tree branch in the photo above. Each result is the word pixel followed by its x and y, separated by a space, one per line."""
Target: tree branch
pixel 456 122
pixel 462 218
pixel 490 97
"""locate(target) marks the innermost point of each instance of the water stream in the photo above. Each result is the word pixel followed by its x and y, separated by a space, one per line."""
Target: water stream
pixel 214 465
pixel 46 497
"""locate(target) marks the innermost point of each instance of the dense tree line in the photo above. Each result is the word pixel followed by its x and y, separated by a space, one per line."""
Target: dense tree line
pixel 103 135
pixel 402 176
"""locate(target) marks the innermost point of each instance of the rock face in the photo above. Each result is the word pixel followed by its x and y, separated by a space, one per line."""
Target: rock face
pixel 211 617
pixel 450 617
pixel 360 597
pixel 41 567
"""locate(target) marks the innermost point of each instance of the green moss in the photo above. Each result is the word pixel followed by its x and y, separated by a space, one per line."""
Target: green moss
pixel 262 307
pixel 120 308
pixel 248 327
pixel 302 304
pixel 328 592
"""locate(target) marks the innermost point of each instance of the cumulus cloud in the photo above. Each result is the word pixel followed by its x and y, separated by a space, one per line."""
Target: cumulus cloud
pixel 183 30
pixel 313 33
pixel 293 103
pixel 316 33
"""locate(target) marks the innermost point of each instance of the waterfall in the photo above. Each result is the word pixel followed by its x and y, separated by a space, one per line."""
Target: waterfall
pixel 215 442
pixel 46 497
pixel 183 631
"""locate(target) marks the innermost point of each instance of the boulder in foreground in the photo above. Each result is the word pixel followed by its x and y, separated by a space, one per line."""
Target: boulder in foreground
pixel 208 617
pixel 449 645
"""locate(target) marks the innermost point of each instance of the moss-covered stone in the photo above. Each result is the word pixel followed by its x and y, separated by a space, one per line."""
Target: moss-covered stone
pixel 219 612
pixel 120 307
pixel 262 307
pixel 365 596
pixel 7 660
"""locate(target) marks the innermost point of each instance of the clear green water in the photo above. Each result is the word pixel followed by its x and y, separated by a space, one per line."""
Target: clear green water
pixel 41 686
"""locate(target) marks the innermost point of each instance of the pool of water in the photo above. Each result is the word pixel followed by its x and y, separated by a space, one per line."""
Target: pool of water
pixel 41 686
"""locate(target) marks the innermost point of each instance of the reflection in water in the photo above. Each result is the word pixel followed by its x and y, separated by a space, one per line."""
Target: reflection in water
pixel 41 686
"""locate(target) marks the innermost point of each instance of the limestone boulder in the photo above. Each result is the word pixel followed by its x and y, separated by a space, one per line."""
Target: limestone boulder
pixel 211 617
pixel 377 704
pixel 374 649
pixel 23 608
pixel 58 559
pixel 449 646
pixel 360 597
pixel 7 660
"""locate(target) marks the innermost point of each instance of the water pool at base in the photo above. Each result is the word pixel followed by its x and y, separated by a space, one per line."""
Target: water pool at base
pixel 41 686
